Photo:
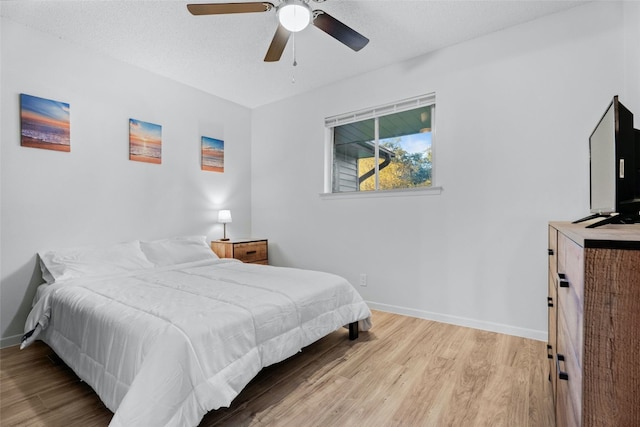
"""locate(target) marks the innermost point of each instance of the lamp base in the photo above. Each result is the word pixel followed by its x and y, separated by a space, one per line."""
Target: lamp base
pixel 223 239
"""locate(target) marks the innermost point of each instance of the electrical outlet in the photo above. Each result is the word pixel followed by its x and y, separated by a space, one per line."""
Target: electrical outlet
pixel 363 279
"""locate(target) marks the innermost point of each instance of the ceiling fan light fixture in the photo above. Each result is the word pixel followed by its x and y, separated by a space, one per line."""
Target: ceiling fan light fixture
pixel 294 15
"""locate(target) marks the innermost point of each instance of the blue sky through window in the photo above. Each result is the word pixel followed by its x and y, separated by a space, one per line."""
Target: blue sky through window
pixel 415 143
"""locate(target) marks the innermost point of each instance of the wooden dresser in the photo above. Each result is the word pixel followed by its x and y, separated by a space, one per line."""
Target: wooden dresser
pixel 594 324
pixel 254 251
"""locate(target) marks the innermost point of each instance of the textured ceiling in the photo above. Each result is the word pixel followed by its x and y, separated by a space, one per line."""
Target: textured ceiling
pixel 223 54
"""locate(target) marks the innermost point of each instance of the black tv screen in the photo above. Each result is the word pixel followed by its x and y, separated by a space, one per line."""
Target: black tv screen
pixel 613 162
pixel 602 164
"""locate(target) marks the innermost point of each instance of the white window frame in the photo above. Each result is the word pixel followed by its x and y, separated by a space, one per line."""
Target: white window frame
pixel 375 113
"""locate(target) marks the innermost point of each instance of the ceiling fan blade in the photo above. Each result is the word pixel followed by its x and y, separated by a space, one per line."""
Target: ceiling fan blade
pixel 224 8
pixel 339 31
pixel 278 44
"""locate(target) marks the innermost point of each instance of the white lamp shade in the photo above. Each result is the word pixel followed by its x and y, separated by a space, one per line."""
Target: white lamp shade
pixel 294 15
pixel 224 216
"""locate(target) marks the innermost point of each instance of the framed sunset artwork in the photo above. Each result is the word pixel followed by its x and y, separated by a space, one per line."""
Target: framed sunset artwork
pixel 44 123
pixel 212 154
pixel 145 142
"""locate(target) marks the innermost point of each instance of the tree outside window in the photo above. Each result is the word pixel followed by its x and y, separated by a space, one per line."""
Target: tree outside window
pixel 404 149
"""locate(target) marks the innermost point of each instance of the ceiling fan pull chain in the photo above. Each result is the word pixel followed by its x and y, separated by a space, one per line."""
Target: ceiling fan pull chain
pixel 294 50
pixel 295 63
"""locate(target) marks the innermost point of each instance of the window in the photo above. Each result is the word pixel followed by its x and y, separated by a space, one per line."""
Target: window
pixel 384 148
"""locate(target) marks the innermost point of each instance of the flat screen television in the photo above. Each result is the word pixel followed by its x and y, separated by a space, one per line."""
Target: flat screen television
pixel 614 164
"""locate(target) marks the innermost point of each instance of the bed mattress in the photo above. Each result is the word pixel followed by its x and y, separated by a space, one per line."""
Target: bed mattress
pixel 163 346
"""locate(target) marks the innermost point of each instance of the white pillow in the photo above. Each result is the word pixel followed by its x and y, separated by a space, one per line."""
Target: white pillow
pixel 92 261
pixel 46 275
pixel 177 250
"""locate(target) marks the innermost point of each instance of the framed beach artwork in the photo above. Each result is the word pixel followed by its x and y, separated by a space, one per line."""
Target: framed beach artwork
pixel 44 123
pixel 212 154
pixel 145 142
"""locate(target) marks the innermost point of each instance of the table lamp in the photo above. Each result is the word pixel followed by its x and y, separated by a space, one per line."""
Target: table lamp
pixel 224 216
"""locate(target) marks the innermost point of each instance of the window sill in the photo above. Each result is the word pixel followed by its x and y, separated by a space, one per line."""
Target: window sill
pixel 430 191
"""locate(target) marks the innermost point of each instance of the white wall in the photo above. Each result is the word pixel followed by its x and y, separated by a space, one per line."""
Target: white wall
pixel 631 65
pixel 515 109
pixel 94 194
pixel 514 112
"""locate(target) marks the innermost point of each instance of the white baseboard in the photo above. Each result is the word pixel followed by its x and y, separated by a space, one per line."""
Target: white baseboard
pixel 462 321
pixel 10 341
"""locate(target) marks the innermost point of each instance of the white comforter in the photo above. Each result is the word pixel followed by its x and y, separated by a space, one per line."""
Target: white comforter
pixel 163 346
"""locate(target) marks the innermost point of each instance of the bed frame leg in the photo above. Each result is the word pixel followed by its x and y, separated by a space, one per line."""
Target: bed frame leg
pixel 353 331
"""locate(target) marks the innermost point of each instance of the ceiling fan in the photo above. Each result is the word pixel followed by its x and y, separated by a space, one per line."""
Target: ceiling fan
pixel 293 16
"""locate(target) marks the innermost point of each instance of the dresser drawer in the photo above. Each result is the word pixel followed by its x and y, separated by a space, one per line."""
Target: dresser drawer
pixel 250 252
pixel 552 307
pixel 553 251
pixel 552 304
pixel 568 380
pixel 570 289
pixel 569 344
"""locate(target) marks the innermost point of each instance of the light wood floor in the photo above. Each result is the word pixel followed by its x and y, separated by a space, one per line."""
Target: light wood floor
pixel 404 372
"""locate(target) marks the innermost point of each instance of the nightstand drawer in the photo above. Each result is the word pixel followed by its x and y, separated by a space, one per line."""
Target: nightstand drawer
pixel 250 252
pixel 255 251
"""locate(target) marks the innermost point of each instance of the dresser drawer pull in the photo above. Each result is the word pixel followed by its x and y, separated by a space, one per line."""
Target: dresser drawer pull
pixel 562 280
pixel 549 302
pixel 251 252
pixel 561 374
pixel 550 252
pixel 549 351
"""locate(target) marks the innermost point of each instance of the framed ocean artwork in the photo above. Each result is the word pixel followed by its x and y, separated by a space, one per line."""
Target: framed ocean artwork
pixel 212 154
pixel 44 123
pixel 145 142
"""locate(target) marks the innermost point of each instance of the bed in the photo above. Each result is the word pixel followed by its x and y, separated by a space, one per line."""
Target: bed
pixel 165 331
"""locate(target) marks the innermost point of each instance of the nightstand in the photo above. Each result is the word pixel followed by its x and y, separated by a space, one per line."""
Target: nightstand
pixel 254 251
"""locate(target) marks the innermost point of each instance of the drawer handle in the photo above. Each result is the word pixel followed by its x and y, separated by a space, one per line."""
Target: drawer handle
pixel 549 302
pixel 251 252
pixel 562 280
pixel 550 252
pixel 561 374
pixel 549 351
